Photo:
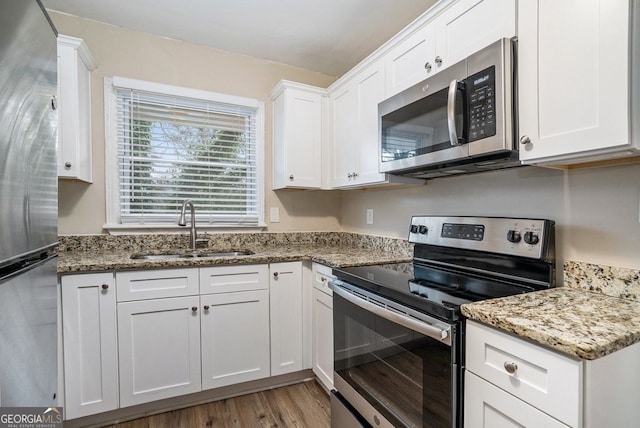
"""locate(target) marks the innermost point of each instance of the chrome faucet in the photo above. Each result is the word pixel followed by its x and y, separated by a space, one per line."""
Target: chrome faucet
pixel 183 221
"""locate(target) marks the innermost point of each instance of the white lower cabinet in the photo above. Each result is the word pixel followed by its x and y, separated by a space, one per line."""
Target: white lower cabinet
pixel 511 382
pixel 89 343
pixel 139 336
pixel 285 308
pixel 159 349
pixel 235 337
pixel 322 335
pixel 488 406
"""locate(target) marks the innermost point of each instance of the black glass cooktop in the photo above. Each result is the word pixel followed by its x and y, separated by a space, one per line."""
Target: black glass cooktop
pixel 428 289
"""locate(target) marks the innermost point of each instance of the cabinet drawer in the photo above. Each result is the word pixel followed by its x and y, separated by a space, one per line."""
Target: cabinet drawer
pixel 155 284
pixel 228 279
pixel 321 277
pixel 545 379
pixel 487 406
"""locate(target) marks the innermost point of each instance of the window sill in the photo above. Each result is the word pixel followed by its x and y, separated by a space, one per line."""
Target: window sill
pixel 141 229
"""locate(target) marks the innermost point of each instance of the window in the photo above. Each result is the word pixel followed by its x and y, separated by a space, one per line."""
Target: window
pixel 166 144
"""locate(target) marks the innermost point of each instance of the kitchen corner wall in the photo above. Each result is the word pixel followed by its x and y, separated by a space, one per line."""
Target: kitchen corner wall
pixel 122 52
pixel 596 210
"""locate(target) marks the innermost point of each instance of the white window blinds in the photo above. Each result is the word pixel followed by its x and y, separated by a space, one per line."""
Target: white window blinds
pixel 172 148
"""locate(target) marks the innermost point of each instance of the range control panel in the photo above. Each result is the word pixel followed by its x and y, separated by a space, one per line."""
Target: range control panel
pixel 512 236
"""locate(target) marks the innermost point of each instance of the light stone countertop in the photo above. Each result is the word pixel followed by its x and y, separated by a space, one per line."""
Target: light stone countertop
pixel 576 322
pixel 330 255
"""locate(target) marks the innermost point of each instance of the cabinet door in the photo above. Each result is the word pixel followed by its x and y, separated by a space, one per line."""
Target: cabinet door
pixel 573 79
pixel 285 305
pixel 75 64
pixel 470 25
pixel 297 139
pixel 344 147
pixel 411 61
pixel 159 349
pixel 89 344
pixel 323 338
pixel 369 86
pixel 487 406
pixel 235 337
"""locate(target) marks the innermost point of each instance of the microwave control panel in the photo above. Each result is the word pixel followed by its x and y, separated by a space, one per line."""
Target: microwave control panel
pixel 481 92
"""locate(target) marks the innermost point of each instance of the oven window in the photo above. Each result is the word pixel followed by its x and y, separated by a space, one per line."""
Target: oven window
pixel 418 128
pixel 404 375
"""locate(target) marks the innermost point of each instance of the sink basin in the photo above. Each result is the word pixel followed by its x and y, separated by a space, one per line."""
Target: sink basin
pixel 163 256
pixel 225 254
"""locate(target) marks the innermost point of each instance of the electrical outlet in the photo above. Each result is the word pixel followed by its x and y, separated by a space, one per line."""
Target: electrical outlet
pixel 274 215
pixel 369 215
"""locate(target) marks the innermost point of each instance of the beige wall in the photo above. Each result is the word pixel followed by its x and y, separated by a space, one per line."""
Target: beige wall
pixel 126 53
pixel 596 210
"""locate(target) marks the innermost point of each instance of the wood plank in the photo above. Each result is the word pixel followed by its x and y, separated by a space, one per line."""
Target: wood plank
pixel 304 404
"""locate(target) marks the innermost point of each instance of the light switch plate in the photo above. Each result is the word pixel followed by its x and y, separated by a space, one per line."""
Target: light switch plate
pixel 274 215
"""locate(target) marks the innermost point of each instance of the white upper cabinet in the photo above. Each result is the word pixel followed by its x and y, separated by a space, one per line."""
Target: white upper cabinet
pixel 470 25
pixel 355 137
pixel 75 64
pixel 354 148
pixel 297 135
pixel 464 28
pixel 576 85
pixel 412 61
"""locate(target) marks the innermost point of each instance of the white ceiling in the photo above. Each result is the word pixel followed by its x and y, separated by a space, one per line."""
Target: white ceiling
pixel 328 36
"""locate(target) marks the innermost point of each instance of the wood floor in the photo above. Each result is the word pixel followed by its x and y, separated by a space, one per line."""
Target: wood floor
pixel 302 405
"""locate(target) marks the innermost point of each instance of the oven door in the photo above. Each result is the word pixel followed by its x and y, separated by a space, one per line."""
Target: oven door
pixel 395 369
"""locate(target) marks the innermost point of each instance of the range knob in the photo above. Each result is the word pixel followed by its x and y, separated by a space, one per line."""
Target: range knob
pixel 514 236
pixel 423 230
pixel 414 228
pixel 531 238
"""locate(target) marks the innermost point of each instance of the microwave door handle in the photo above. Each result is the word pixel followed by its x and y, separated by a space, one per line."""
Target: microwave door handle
pixel 451 112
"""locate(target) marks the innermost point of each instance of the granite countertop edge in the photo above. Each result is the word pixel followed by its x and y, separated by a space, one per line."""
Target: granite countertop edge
pixel 578 323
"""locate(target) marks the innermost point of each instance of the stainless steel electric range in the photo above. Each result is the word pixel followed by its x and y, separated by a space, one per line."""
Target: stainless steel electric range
pixel 398 331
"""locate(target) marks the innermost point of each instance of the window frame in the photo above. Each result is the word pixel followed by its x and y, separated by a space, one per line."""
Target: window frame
pixel 113 223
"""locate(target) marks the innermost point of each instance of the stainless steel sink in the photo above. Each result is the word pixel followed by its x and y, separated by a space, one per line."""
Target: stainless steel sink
pixel 163 256
pixel 225 254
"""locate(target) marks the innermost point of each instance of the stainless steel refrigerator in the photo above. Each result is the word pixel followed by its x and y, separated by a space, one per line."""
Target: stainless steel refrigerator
pixel 28 205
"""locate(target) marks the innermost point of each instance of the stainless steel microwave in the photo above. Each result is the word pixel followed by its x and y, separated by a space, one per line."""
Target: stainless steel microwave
pixel 461 120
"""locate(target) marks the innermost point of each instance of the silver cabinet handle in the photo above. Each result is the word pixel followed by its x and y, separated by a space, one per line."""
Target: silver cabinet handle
pixel 194 309
pixel 451 112
pixel 105 286
pixel 54 102
pixel 510 367
pixel 524 140
pixel 291 177
pixel 438 60
pixel 67 164
pixel 355 174
pixel 275 274
pixel 205 307
pixel 349 175
pixel 427 66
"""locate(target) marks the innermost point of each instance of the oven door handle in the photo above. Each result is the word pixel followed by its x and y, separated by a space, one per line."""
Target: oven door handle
pixel 410 323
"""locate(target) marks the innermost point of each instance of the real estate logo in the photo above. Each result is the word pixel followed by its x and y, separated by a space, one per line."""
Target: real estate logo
pixel 30 417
